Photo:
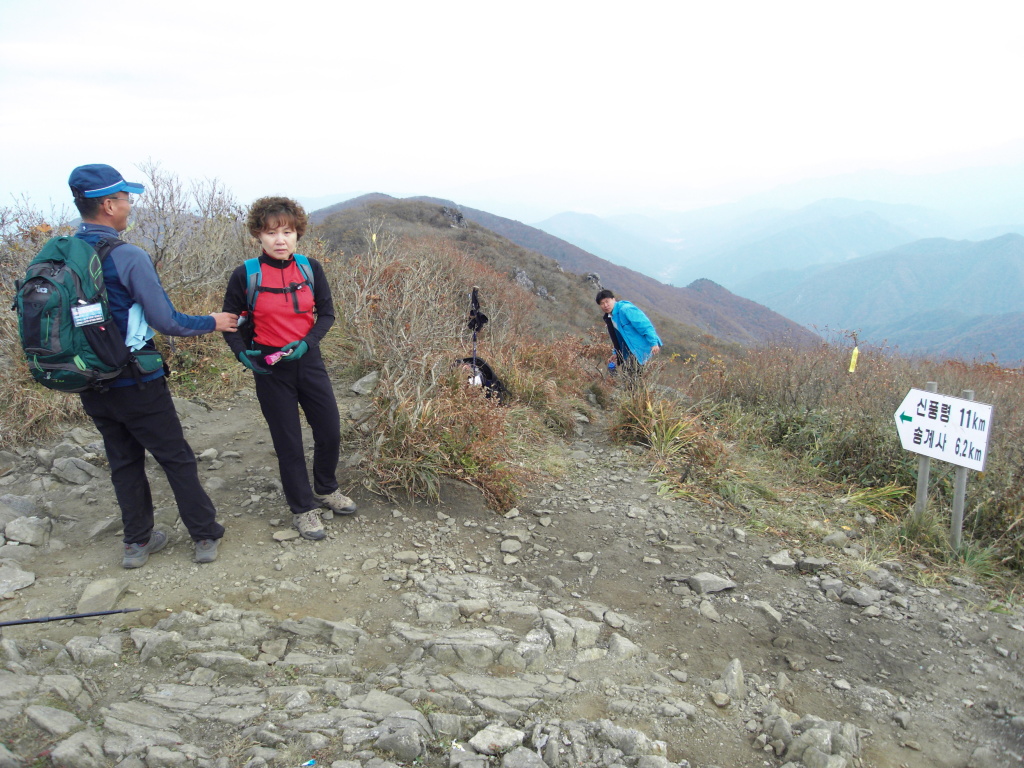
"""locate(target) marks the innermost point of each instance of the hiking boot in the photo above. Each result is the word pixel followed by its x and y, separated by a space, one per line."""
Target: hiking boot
pixel 136 555
pixel 309 525
pixel 206 550
pixel 337 502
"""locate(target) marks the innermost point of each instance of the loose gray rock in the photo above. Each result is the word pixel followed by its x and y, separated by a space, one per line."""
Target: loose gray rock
pixel 985 757
pixel 367 384
pixel 622 647
pixel 496 739
pixel 186 409
pixel 812 564
pixel 8 759
pixel 57 722
pixel 82 436
pixel 34 531
pixel 101 595
pixel 8 462
pixel 404 734
pixel 7 514
pixel 837 540
pixel 732 679
pixel 13 578
pixel 703 583
pixel 707 610
pixel 781 561
pixel 767 610
pixel 74 470
pixel 862 597
pixel 66 449
pixel 81 750
pixel 24 505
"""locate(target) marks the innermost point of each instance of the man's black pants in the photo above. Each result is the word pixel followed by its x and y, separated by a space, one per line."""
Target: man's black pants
pixel 137 419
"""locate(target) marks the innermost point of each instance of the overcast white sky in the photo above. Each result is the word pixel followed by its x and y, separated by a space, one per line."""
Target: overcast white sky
pixel 524 109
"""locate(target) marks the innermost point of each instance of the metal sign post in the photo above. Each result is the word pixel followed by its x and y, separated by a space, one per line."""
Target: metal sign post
pixel 952 429
pixel 956 522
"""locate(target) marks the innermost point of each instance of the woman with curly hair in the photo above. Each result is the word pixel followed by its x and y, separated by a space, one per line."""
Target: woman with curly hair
pixel 286 302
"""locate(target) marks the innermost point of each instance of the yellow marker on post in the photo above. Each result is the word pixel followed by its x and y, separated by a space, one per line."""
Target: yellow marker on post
pixel 853 359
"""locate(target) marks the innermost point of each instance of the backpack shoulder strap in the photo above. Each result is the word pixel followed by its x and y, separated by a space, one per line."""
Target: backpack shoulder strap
pixel 107 244
pixel 253 277
pixel 305 267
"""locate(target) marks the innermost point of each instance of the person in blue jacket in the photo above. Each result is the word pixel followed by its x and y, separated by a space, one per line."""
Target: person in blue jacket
pixel 632 334
pixel 137 414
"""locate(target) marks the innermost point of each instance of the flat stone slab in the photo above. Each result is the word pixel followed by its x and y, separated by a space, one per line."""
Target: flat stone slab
pixel 101 595
pixel 12 579
pixel 703 583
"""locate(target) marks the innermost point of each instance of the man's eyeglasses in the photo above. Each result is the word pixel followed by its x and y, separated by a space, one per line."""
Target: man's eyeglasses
pixel 129 198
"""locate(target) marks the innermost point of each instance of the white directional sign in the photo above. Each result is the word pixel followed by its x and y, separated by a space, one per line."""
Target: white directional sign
pixel 948 428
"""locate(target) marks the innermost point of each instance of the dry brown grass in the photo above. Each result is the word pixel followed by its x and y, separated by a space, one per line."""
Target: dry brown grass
pixel 806 403
pixel 403 307
pixel 27 411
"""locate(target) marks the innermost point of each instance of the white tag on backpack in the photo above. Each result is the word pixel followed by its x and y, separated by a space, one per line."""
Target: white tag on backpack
pixel 87 314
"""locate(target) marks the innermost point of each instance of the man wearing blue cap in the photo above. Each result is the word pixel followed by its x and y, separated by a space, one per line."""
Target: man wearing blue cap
pixel 136 415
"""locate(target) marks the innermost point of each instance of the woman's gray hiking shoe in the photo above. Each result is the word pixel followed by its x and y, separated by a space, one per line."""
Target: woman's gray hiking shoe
pixel 337 502
pixel 206 550
pixel 136 555
pixel 309 525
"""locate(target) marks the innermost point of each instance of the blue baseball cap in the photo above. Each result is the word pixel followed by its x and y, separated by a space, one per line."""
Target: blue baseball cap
pixel 98 180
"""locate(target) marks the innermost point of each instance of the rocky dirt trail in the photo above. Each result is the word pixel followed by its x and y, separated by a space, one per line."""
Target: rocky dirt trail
pixel 595 625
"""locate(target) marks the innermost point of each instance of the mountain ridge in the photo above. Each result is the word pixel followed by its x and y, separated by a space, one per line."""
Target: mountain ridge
pixel 935 296
pixel 720 317
pixel 719 314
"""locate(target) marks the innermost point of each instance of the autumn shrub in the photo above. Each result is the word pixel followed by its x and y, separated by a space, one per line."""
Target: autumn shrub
pixel 27 411
pixel 403 307
pixel 807 403
pixel 686 457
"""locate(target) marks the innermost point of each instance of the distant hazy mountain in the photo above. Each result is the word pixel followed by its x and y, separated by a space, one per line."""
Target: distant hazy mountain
pixel 732 244
pixel 972 198
pixel 649 252
pixel 935 296
pixel 985 338
pixel 806 243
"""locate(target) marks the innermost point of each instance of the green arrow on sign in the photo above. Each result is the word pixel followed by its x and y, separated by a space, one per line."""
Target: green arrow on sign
pixel 904 417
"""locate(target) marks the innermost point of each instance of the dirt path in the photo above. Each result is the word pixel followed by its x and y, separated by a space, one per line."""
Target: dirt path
pixel 929 675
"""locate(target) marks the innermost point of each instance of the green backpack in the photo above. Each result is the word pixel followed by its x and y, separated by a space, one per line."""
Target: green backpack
pixel 70 339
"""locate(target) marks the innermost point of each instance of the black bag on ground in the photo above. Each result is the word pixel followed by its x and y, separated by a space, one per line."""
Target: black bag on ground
pixel 479 368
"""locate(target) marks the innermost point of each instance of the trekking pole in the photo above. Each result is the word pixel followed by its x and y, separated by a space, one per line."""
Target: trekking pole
pixel 477 319
pixel 66 616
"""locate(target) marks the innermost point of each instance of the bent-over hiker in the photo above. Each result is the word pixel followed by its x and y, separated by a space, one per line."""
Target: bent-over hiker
pixel 633 337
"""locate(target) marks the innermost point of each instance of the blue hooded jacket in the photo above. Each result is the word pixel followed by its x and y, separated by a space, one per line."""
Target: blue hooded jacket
pixel 637 331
